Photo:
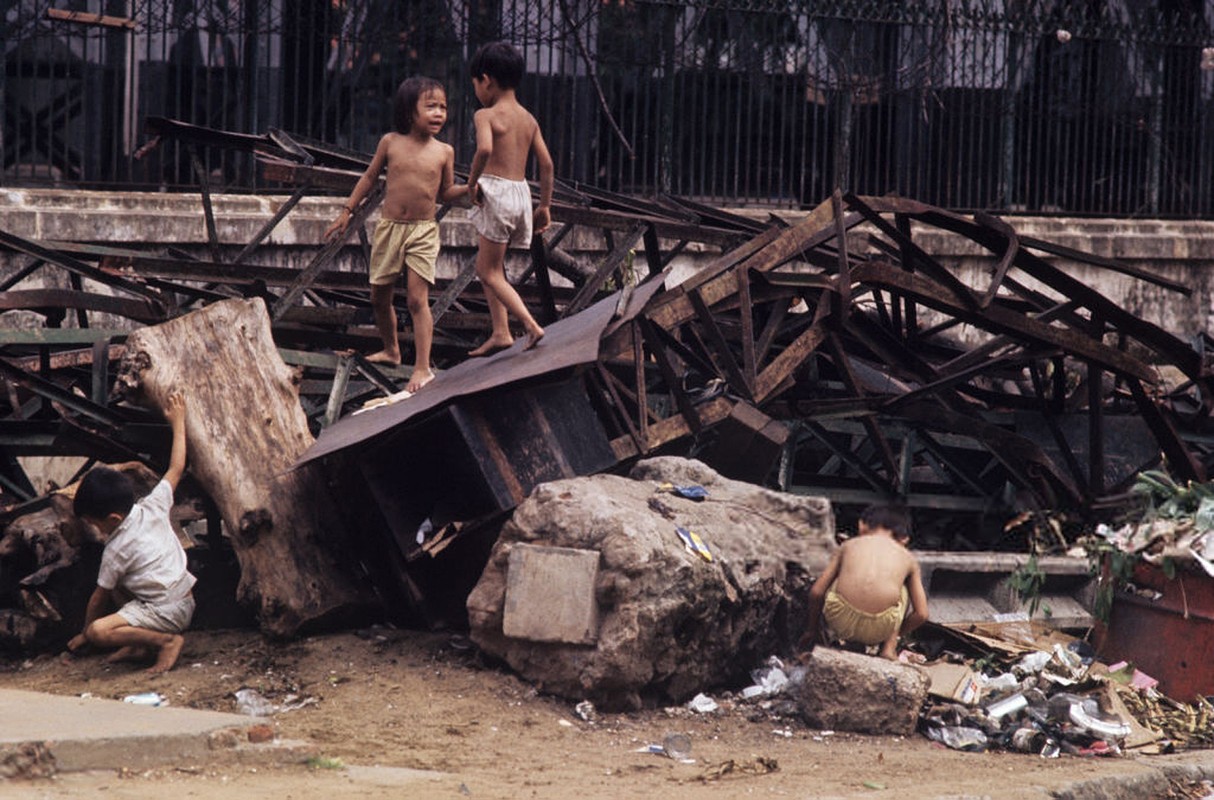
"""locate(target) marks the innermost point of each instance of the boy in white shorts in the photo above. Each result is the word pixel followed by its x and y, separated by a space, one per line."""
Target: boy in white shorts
pixel 143 562
pixel 506 134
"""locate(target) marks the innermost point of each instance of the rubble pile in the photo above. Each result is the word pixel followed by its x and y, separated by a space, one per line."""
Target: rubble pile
pixel 685 577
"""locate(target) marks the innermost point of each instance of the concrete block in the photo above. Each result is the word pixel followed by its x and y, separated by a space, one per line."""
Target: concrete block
pixel 853 692
pixel 550 594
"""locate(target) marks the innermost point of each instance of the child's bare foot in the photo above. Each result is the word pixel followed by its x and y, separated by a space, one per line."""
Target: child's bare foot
pixel 494 344
pixel 168 655
pixel 384 357
pixel 533 338
pixel 418 379
pixel 131 652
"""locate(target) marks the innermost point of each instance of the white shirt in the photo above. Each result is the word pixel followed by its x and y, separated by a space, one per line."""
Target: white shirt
pixel 143 554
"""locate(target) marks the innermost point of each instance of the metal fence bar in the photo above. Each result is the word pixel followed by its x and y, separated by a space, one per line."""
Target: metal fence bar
pixel 1041 106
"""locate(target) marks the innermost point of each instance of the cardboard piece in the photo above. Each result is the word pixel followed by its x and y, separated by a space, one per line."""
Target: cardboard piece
pixel 956 682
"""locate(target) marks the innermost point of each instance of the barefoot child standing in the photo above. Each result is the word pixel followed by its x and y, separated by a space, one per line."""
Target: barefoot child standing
pixel 506 134
pixel 142 559
pixel 420 174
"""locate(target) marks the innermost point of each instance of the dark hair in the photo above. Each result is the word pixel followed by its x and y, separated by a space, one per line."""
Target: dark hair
pixel 102 492
pixel 404 107
pixel 499 61
pixel 893 517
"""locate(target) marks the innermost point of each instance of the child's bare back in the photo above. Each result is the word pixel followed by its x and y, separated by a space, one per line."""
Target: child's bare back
pixel 872 572
pixel 514 130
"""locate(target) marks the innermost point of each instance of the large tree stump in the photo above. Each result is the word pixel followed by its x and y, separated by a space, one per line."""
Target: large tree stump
pixel 245 430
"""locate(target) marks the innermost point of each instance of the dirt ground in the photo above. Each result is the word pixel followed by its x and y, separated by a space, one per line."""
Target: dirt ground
pixel 400 713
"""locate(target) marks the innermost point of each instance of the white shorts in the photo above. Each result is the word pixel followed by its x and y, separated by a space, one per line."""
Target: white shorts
pixel 504 215
pixel 171 617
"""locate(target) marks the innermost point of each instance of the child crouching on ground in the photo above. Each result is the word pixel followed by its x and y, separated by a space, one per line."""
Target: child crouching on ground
pixel 864 592
pixel 143 561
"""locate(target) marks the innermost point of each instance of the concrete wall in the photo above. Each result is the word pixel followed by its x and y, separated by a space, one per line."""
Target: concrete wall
pixel 1182 251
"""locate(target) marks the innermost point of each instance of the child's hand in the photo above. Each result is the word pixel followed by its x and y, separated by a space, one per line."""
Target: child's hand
pixel 174 409
pixel 338 228
pixel 76 642
pixel 474 193
pixel 542 219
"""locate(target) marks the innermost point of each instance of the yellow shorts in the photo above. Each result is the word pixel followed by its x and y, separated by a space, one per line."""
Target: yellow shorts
pixel 849 623
pixel 397 244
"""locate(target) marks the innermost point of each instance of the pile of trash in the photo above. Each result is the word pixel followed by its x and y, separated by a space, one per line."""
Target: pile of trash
pixel 992 690
pixel 1175 526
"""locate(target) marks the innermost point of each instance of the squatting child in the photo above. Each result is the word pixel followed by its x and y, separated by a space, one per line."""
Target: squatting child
pixel 506 134
pixel 420 174
pixel 864 592
pixel 143 567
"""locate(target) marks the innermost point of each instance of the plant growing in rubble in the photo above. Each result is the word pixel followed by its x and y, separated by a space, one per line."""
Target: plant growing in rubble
pixel 1027 581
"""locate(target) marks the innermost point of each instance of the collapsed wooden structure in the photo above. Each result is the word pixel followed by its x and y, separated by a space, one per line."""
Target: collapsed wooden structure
pixel 814 356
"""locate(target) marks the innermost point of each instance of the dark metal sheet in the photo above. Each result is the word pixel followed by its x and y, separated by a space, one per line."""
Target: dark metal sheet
pixel 566 343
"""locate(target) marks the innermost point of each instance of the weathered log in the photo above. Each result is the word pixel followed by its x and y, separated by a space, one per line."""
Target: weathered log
pixel 245 430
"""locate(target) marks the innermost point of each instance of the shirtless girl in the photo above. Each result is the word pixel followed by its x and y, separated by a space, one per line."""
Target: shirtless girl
pixel 420 174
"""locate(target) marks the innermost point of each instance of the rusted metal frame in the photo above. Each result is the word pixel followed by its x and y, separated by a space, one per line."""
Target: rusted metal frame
pixel 284 141
pixel 729 368
pixel 97 444
pixel 208 211
pixel 670 254
pixel 987 348
pixel 705 212
pixel 709 412
pixel 52 392
pixel 539 264
pixel 775 320
pixel 952 381
pixel 731 258
pixel 840 301
pixel 847 456
pixel 72 264
pixel 1181 460
pixel 814 247
pixel 667 229
pixel 326 254
pixel 653 250
pixel 642 384
pixel 906 461
pixel 227 274
pixel 100 369
pixel 21 274
pixel 1005 260
pixel 1095 429
pixel 936 450
pixel 892 350
pixel 1051 420
pixel 669 377
pixel 609 382
pixel 372 373
pixel 1042 302
pixel 1108 263
pixel 454 289
pixel 139 309
pixel 746 316
pixel 610 263
pixel 840 357
pixel 913 255
pixel 66 359
pixel 1002 320
pixel 784 364
pixel 910 313
pixel 337 391
pixel 272 223
pixel 702 360
pixel 1154 337
pixel 1022 458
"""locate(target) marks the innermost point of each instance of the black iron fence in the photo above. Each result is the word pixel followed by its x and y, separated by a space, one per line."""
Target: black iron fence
pixel 1096 107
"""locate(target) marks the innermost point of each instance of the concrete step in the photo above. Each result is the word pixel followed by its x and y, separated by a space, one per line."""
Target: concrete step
pixel 976 587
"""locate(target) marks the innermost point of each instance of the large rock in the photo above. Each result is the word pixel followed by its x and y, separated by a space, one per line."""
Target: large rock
pixel 854 692
pixel 655 622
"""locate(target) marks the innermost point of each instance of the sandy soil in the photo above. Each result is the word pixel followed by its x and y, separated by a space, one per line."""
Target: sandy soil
pixel 399 713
